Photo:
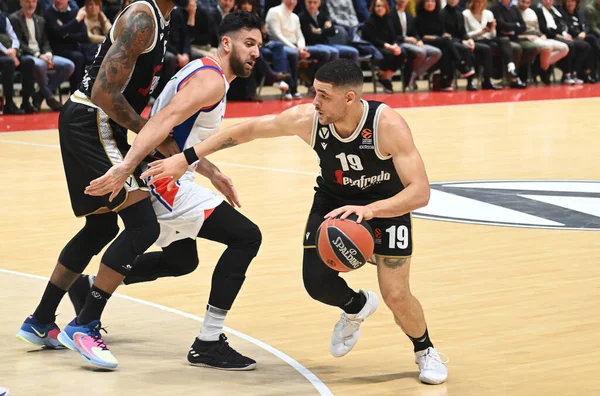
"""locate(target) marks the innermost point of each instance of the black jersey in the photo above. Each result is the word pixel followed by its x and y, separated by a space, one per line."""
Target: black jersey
pixel 146 71
pixel 353 169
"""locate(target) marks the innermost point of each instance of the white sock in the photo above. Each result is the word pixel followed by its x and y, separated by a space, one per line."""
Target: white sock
pixel 511 67
pixel 213 324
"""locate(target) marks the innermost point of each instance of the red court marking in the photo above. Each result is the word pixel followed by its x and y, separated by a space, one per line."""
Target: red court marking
pixel 419 99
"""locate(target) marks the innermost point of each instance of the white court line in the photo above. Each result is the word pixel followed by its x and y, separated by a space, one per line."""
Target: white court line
pixel 313 379
pixel 216 163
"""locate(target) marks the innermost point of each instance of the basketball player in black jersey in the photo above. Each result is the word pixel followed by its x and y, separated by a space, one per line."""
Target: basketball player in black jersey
pixel 93 128
pixel 370 167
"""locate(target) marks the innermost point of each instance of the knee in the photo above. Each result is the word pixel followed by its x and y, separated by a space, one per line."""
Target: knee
pixel 419 55
pixel 314 285
pixel 253 239
pixel 78 58
pixel 146 234
pixel 397 300
pixel 186 265
pixel 436 53
pixel 517 50
pixel 315 275
pixel 248 238
pixel 102 228
pixel 68 66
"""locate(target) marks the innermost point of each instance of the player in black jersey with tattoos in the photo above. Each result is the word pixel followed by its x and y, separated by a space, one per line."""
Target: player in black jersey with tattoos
pixel 93 128
pixel 369 166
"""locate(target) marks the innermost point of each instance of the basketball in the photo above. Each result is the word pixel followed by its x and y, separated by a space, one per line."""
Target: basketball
pixel 345 245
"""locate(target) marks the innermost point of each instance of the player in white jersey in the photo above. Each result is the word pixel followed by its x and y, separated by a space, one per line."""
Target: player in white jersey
pixel 193 105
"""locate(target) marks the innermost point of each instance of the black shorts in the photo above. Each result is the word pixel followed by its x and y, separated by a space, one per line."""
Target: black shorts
pixel 393 236
pixel 90 144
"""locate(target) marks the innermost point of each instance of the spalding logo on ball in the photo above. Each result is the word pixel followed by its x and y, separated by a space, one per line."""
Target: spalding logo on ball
pixel 345 245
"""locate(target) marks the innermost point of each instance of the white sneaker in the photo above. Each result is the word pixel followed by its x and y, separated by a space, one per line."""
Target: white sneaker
pixel 286 96
pixel 347 330
pixel 432 367
pixel 282 85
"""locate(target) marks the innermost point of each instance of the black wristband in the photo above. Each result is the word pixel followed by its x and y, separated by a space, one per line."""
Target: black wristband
pixel 190 155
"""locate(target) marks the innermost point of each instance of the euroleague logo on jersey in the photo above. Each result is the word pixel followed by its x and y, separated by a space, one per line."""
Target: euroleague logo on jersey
pixel 364 182
pixel 377 234
pixel 367 139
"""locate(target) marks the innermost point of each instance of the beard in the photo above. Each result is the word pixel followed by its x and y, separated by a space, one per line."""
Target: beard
pixel 238 65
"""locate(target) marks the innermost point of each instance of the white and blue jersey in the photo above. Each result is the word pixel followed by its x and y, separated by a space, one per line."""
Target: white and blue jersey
pixel 182 211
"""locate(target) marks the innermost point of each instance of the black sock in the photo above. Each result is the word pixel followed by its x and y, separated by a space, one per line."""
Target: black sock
pixel 46 311
pixel 421 343
pixel 355 304
pixel 94 305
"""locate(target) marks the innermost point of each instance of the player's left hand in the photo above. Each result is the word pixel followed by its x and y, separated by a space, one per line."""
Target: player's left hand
pixel 363 212
pixel 112 182
pixel 224 185
pixel 173 167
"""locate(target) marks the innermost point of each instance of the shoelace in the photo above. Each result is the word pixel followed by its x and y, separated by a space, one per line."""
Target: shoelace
pixel 353 323
pixel 225 349
pixel 432 360
pixel 95 334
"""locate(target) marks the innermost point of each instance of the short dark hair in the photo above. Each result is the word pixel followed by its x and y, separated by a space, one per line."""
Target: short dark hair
pixel 238 20
pixel 340 73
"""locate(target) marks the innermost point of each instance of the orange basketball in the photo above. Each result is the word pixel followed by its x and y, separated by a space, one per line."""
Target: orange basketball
pixel 345 245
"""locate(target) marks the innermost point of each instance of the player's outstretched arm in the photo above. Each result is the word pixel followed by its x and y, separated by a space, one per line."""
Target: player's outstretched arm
pixel 294 121
pixel 203 89
pixel 395 139
pixel 134 34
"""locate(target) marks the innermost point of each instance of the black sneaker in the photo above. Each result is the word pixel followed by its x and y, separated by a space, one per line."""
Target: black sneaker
pixel 218 355
pixel 79 290
pixel 387 85
pixel 11 108
pixel 28 108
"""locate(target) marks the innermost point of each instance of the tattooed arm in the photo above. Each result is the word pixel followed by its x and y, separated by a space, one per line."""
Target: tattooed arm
pixel 134 33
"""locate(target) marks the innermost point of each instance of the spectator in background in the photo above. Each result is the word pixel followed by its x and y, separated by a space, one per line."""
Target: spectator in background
pixel 430 27
pixel 97 25
pixel 510 23
pixel 578 29
pixel 379 30
pixel 178 46
pixel 206 26
pixel 481 27
pixel 454 24
pixel 66 32
pixel 554 26
pixel 592 14
pixel 420 56
pixel 111 9
pixel 283 25
pixel 317 27
pixel 361 8
pixel 10 60
pixel 342 13
pixel 9 7
pixel 245 88
pixel 30 29
pixel 551 51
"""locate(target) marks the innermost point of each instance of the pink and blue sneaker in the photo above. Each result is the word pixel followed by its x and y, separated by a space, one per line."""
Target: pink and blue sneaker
pixel 35 333
pixel 86 340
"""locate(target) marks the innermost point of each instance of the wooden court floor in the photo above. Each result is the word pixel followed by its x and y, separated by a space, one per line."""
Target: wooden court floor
pixel 517 310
